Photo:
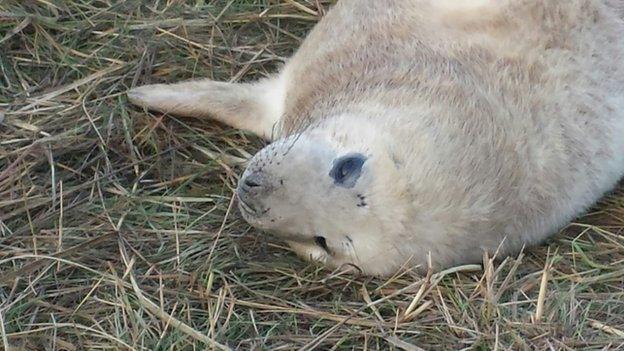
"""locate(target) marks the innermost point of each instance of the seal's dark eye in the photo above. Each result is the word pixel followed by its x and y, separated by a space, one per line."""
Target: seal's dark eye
pixel 347 170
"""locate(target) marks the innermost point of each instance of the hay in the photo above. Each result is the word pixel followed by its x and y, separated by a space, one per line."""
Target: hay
pixel 114 224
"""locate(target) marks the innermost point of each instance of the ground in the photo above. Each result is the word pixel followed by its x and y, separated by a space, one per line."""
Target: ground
pixel 118 228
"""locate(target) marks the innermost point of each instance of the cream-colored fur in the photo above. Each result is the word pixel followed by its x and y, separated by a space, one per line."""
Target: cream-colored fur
pixel 485 124
pixel 254 107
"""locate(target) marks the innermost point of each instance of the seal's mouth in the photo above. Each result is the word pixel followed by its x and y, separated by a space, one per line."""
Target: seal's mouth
pixel 322 243
pixel 245 207
pixel 250 208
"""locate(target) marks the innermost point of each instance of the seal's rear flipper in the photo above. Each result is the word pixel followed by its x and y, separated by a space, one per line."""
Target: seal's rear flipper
pixel 255 107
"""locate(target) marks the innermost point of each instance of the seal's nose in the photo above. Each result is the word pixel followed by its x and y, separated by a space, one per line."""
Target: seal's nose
pixel 252 189
pixel 253 182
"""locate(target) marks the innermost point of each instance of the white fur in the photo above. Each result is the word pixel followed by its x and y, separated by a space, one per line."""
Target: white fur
pixel 486 125
pixel 255 107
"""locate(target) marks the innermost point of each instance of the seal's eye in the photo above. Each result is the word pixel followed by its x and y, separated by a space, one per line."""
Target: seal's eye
pixel 322 242
pixel 347 170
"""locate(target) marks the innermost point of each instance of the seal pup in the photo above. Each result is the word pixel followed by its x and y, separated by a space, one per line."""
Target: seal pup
pixel 408 128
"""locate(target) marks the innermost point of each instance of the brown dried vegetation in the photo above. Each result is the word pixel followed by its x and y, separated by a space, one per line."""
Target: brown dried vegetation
pixel 118 230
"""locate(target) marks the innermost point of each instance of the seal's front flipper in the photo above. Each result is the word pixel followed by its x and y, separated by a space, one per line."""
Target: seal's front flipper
pixel 254 107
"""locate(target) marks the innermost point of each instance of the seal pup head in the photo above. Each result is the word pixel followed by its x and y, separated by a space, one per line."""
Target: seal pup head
pixel 333 192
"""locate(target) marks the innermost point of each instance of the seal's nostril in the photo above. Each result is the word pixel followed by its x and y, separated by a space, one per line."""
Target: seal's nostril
pixel 252 183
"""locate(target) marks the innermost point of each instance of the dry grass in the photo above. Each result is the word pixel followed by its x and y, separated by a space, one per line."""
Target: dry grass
pixel 117 229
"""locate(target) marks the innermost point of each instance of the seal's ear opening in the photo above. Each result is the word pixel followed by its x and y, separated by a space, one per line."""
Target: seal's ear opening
pixel 252 107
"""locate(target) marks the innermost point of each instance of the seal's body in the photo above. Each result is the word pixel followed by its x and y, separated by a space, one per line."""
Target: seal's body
pixel 405 128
